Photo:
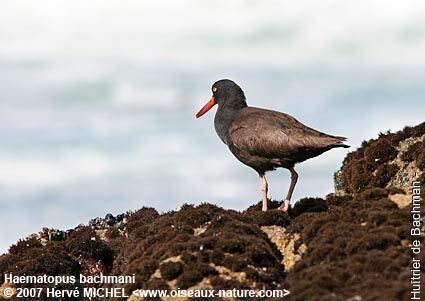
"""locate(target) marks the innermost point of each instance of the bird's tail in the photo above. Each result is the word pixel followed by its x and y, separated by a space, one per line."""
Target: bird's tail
pixel 339 142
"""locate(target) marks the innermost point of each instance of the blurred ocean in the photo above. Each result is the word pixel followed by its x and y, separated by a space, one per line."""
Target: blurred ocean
pixel 97 99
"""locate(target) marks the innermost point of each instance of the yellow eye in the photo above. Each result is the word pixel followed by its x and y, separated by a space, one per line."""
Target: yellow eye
pixel 214 89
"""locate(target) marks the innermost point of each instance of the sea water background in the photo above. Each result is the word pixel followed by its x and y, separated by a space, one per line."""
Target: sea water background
pixel 97 99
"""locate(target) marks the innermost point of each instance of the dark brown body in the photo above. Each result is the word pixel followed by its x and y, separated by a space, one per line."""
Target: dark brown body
pixel 265 139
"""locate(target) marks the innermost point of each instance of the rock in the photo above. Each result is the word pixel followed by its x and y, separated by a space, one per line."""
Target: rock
pixel 407 171
pixel 110 219
pixel 401 200
pixel 392 160
pixel 286 243
pixel 325 249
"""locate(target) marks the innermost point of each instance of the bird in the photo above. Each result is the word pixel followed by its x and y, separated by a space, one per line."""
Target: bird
pixel 264 139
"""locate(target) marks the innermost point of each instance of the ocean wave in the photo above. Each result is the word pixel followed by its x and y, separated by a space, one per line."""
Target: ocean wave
pixel 329 32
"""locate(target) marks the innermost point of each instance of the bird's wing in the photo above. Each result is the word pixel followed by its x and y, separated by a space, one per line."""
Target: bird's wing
pixel 273 134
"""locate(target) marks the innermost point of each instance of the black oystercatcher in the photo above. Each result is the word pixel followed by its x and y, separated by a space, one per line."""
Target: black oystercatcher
pixel 264 139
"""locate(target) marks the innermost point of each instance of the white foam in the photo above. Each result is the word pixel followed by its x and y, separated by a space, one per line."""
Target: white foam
pixel 189 32
pixel 133 96
pixel 50 171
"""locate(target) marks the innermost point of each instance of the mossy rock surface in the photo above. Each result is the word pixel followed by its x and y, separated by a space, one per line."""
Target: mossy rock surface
pixel 377 161
pixel 354 244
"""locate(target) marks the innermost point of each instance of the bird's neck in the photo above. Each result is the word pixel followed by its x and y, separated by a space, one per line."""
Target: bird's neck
pixel 224 116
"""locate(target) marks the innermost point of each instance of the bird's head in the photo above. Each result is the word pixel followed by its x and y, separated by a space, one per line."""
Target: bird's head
pixel 225 93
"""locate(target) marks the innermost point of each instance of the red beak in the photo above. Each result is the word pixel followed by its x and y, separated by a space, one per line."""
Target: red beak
pixel 206 108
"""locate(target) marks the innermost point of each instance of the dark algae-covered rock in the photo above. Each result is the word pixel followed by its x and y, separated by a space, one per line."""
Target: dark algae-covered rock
pixel 351 245
pixel 359 241
pixel 389 160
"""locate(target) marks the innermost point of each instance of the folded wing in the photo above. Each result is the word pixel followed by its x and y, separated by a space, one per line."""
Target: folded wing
pixel 273 134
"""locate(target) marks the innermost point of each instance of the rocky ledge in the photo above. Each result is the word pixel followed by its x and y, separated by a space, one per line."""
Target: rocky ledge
pixel 351 245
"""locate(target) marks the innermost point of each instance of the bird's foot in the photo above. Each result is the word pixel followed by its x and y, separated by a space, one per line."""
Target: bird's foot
pixel 284 207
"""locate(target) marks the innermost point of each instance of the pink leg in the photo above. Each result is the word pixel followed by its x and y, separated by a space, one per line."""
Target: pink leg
pixel 294 177
pixel 264 188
